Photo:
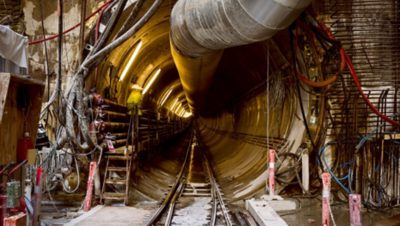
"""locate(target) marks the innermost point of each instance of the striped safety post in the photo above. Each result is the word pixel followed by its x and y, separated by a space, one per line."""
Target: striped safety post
pixel 326 192
pixel 271 172
pixel 37 196
pixel 355 208
pixel 89 190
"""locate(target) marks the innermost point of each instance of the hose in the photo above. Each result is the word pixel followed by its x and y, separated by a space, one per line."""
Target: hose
pixel 107 49
pixel 131 17
pixel 66 189
pixel 110 26
pixel 58 79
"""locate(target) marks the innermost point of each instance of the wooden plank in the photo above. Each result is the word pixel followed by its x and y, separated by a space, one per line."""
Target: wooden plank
pixel 27 80
pixel 4 83
pixel 10 128
pixel 12 125
pixel 16 220
pixel 395 136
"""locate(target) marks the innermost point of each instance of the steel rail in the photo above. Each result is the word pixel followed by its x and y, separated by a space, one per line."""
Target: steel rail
pixel 216 194
pixel 171 194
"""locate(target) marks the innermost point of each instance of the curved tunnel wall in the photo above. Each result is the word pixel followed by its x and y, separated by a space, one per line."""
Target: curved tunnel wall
pixel 239 134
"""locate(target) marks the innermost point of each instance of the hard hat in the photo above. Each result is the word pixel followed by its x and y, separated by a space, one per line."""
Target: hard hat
pixel 137 87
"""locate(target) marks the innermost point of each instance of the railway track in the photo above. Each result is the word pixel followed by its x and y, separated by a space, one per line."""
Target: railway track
pixel 195 198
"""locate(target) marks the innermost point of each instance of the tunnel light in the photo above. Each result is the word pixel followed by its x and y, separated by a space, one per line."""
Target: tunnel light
pixel 166 96
pixel 131 60
pixel 187 114
pixel 180 110
pixel 173 105
pixel 152 79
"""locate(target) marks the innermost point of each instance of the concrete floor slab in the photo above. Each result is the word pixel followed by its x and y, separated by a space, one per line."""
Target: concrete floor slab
pixel 112 215
pixel 310 213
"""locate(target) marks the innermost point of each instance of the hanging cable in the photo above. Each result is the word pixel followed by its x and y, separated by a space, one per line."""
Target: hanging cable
pixel 89 61
pixel 77 81
pixel 299 92
pixel 66 188
pixel 82 30
pixel 34 42
pixel 45 51
pixel 304 79
pixel 335 178
pixel 323 29
pixel 365 98
pixel 60 42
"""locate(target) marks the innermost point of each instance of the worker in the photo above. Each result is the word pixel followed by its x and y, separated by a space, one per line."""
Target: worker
pixel 134 103
pixel 135 100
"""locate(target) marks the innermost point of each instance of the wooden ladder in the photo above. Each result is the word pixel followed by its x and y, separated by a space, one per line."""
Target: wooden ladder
pixel 110 177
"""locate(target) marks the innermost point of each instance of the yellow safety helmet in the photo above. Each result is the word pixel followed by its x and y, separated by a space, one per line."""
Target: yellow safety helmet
pixel 137 87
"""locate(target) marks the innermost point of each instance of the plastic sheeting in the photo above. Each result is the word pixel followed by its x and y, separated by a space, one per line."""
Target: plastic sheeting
pixel 13 46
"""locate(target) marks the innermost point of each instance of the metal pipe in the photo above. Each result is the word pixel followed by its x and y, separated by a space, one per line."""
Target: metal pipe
pixel 200 30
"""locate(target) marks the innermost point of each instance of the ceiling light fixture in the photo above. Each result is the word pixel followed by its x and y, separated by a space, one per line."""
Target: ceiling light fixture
pixel 152 79
pixel 166 96
pixel 131 60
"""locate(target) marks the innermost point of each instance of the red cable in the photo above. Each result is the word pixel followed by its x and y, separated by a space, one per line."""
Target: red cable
pixel 318 84
pixel 367 101
pixel 357 81
pixel 34 42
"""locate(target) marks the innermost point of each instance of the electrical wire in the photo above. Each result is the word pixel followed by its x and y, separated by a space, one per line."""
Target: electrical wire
pixel 34 42
pixel 77 81
pixel 304 79
pixel 267 117
pixel 327 34
pixel 365 98
pixel 331 214
pixel 335 178
pixel 57 90
pixel 66 188
pixel 299 93
pixel 108 48
pixel 45 50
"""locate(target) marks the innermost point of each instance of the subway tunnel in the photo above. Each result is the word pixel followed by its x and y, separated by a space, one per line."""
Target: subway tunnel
pixel 250 106
pixel 236 91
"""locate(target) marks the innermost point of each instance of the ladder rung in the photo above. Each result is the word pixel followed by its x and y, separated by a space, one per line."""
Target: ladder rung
pixel 115 196
pixel 119 169
pixel 118 157
pixel 116 181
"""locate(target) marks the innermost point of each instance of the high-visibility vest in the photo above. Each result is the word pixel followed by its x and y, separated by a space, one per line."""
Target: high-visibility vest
pixel 135 98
